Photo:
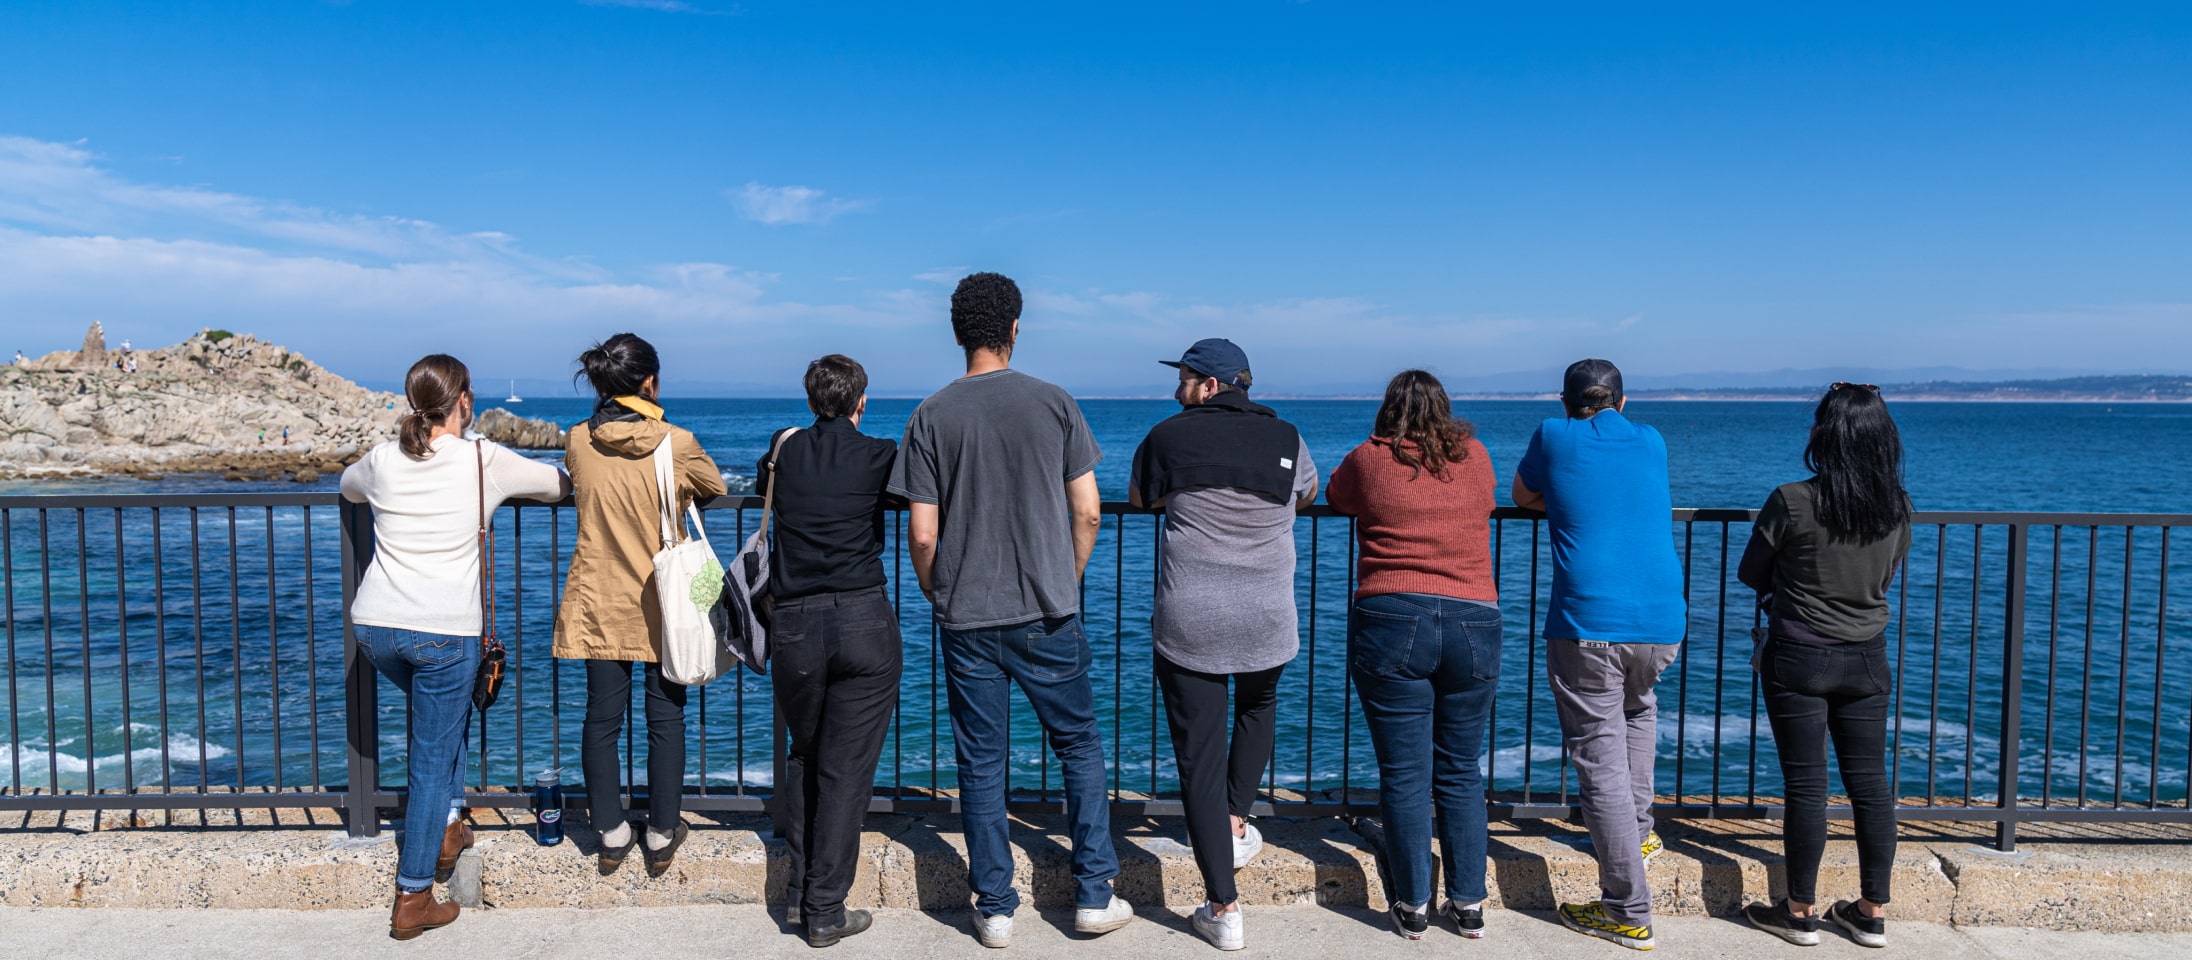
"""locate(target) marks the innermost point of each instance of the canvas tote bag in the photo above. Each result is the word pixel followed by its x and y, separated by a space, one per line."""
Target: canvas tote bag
pixel 688 582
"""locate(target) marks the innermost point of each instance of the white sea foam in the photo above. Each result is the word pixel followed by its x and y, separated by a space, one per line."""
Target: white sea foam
pixel 38 762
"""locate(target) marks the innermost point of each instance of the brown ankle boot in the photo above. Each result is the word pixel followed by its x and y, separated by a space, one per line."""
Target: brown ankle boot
pixel 416 913
pixel 455 839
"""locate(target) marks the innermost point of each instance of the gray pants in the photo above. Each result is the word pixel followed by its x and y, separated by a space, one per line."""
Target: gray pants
pixel 1609 717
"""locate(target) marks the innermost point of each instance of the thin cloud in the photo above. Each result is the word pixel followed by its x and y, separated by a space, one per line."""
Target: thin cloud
pixel 774 206
pixel 659 6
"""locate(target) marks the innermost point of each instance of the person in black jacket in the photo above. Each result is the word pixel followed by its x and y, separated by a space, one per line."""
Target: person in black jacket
pixel 834 637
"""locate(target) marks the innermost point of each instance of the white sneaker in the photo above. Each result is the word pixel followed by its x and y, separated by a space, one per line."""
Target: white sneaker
pixel 1246 846
pixel 1223 930
pixel 1103 919
pixel 994 932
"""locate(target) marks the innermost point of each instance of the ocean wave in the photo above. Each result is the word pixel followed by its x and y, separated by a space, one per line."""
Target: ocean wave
pixel 39 762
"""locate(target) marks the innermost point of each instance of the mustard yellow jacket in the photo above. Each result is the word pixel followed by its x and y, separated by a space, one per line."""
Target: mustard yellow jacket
pixel 609 610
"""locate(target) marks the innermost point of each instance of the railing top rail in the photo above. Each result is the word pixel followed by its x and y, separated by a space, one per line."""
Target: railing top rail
pixel 328 498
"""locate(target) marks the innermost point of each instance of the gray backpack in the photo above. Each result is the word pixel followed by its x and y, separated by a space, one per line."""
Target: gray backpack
pixel 742 615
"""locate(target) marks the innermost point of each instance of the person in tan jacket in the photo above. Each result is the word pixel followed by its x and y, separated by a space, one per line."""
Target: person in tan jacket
pixel 609 616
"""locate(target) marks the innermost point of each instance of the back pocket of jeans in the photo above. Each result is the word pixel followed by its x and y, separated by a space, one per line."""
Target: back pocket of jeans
pixel 1052 651
pixel 434 650
pixel 1381 642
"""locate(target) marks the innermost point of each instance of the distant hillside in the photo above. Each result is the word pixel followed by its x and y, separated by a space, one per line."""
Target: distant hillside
pixel 2124 389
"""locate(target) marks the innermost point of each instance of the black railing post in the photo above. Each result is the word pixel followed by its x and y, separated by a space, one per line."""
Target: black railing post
pixel 2013 686
pixel 361 688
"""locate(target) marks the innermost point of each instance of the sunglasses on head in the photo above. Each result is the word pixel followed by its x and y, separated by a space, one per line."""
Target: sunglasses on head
pixel 1844 384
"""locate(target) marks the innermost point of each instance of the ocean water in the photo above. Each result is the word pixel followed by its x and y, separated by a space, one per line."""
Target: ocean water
pixel 208 656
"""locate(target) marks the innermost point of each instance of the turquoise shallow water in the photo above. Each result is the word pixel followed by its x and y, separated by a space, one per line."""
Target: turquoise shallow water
pixel 2028 457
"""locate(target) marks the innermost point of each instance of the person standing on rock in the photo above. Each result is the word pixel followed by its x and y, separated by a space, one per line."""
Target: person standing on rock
pixel 1614 624
pixel 1423 643
pixel 1230 476
pixel 1822 556
pixel 418 616
pixel 1000 471
pixel 608 617
pixel 834 637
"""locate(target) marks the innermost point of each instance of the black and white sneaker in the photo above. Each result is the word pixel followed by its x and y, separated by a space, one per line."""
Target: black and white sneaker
pixel 1468 920
pixel 1867 931
pixel 1410 922
pixel 1775 918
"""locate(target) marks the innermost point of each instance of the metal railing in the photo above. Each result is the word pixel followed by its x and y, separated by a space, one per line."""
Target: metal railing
pixel 174 652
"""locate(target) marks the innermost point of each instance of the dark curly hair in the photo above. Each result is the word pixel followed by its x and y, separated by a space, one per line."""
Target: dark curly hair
pixel 1417 414
pixel 983 310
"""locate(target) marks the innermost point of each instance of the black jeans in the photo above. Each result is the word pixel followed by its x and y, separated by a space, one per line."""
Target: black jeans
pixel 1217 782
pixel 608 695
pixel 1814 692
pixel 836 659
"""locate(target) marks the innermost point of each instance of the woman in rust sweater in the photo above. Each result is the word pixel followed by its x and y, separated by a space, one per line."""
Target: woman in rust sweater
pixel 1423 643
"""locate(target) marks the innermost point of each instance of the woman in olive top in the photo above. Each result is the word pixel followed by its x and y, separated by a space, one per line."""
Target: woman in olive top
pixel 1821 557
pixel 609 617
pixel 1424 640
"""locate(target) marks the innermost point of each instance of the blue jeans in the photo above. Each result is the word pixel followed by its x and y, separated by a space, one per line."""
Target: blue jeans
pixel 1426 668
pixel 1049 660
pixel 435 672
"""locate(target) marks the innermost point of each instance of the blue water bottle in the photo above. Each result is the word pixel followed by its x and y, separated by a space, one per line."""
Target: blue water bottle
pixel 548 808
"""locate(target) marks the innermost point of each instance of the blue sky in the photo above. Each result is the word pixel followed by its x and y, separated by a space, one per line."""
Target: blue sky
pixel 1344 189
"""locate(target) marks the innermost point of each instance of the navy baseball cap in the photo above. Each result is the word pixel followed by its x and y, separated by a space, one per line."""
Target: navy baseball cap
pixel 1215 358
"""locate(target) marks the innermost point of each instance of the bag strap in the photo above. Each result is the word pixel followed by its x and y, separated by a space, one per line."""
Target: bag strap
pixel 768 497
pixel 487 551
pixel 666 486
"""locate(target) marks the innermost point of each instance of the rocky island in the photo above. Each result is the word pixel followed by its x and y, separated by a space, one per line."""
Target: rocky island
pixel 218 403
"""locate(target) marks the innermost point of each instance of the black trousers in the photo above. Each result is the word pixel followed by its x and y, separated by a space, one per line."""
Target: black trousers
pixel 1218 781
pixel 836 659
pixel 1815 693
pixel 608 695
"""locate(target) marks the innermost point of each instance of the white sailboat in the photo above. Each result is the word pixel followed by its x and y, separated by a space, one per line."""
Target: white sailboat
pixel 513 397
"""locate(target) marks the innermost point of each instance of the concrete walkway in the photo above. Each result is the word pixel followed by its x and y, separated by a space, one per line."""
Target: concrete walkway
pixel 752 931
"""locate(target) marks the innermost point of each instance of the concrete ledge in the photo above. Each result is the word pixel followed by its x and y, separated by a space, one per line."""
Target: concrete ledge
pixel 1709 868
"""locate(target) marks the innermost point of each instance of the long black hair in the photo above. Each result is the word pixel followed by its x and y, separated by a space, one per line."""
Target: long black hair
pixel 1858 458
pixel 618 366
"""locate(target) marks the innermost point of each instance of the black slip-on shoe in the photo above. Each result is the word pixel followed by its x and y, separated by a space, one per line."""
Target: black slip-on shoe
pixel 658 861
pixel 610 858
pixel 855 921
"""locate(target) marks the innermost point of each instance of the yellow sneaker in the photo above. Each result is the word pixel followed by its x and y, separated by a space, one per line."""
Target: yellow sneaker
pixel 1590 919
pixel 1652 846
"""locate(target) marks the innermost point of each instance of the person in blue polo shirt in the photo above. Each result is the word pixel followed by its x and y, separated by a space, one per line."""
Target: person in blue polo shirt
pixel 1614 625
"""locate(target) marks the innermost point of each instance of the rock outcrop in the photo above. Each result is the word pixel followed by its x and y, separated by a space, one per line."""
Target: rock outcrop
pixel 215 403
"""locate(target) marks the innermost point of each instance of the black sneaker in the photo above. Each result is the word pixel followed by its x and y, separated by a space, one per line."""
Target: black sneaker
pixel 855 921
pixel 1865 930
pixel 1410 923
pixel 1468 921
pixel 1775 918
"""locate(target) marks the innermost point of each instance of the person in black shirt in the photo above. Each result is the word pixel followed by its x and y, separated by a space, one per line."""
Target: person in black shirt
pixel 834 637
pixel 1822 557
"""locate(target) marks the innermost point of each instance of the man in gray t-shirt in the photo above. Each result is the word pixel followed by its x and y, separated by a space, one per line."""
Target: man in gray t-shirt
pixel 1230 476
pixel 995 453
pixel 998 467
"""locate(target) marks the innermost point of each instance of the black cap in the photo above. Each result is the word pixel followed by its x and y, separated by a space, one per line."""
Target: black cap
pixel 1215 358
pixel 1585 374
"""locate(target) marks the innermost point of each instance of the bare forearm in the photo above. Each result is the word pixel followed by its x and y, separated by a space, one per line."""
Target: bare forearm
pixel 922 523
pixel 1086 506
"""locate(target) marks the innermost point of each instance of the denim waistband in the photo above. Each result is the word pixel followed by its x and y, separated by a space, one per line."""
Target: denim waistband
pixel 835 598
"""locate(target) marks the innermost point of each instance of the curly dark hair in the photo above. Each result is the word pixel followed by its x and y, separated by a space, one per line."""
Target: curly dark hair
pixel 1417 414
pixel 983 310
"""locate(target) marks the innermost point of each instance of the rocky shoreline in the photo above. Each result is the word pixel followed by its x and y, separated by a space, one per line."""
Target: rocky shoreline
pixel 215 404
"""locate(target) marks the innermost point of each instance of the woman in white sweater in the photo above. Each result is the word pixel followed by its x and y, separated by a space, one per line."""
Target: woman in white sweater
pixel 417 614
